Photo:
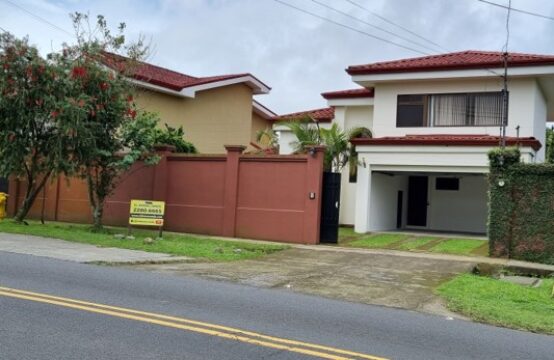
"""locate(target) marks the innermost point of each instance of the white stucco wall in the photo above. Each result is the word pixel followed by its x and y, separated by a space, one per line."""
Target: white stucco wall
pixel 384 197
pixel 522 106
pixel 348 118
pixel 463 210
pixel 286 138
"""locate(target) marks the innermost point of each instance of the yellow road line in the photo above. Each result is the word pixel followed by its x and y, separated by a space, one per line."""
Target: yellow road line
pixel 181 323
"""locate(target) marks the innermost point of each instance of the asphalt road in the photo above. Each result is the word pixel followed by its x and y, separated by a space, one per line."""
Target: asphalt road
pixel 198 314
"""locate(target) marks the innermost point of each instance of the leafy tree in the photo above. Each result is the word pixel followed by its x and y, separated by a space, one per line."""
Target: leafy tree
pixel 35 141
pixel 174 137
pixel 112 134
pixel 550 145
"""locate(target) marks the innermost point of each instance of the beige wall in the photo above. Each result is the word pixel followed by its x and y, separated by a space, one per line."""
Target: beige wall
pixel 259 123
pixel 212 119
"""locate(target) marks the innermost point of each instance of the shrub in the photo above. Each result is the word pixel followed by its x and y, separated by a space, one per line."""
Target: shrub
pixel 521 203
pixel 174 137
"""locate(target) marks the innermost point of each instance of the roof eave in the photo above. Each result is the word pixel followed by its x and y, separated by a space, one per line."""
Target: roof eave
pixel 262 111
pixel 256 85
pixel 520 71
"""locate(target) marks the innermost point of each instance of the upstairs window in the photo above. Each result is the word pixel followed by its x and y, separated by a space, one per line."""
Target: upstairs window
pixel 444 110
pixel 412 111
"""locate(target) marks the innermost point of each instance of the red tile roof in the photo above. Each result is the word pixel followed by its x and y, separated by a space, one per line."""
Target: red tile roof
pixel 163 77
pixel 320 115
pixel 470 59
pixel 446 140
pixel 349 94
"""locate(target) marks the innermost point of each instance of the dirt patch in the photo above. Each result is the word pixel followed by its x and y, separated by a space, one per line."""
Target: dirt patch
pixel 366 278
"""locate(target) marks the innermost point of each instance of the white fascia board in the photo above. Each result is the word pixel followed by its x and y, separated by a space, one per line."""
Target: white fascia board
pixel 351 102
pixel 258 86
pixel 157 88
pixel 369 79
pixel 431 149
pixel 432 169
pixel 262 110
pixel 278 127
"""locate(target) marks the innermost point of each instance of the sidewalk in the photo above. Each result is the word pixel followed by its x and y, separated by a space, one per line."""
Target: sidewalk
pixel 510 263
pixel 82 253
pixel 372 276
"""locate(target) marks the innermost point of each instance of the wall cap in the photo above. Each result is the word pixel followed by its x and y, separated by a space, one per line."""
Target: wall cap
pixel 235 148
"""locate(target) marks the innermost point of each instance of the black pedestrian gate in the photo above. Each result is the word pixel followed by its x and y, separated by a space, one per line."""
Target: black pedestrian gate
pixel 3 185
pixel 330 206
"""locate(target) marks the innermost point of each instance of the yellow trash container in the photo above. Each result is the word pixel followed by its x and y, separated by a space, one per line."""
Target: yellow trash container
pixel 3 204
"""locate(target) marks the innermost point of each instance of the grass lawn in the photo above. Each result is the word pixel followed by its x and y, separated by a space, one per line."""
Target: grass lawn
pixel 377 241
pixel 415 243
pixel 411 242
pixel 172 243
pixel 501 303
pixel 457 246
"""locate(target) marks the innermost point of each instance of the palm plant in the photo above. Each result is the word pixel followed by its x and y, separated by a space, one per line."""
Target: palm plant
pixel 339 151
pixel 307 134
pixel 337 148
pixel 267 138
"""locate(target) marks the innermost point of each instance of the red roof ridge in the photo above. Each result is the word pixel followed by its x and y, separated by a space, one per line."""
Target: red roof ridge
pixel 349 93
pixel 323 115
pixel 451 61
pixel 171 79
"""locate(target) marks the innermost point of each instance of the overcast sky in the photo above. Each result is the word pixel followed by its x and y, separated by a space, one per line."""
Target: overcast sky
pixel 296 54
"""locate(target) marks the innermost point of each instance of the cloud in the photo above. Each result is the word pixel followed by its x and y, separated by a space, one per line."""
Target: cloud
pixel 299 56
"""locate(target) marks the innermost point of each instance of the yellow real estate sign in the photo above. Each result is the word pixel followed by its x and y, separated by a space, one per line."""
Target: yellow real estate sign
pixel 147 213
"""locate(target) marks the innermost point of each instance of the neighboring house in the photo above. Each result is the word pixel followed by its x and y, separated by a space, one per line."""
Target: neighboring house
pixel 213 111
pixel 433 121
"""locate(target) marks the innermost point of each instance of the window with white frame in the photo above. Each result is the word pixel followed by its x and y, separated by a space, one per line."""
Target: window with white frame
pixel 450 110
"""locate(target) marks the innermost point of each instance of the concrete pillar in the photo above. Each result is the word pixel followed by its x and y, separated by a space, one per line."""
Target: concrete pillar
pixel 363 197
pixel 231 188
pixel 159 192
pixel 314 186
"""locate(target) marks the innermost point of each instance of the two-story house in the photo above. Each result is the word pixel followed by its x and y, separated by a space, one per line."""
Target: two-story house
pixel 433 120
pixel 213 111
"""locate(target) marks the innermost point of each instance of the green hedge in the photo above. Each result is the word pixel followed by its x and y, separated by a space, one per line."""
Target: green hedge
pixel 521 203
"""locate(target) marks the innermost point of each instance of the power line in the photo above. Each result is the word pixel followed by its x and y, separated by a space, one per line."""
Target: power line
pixel 38 17
pixel 349 27
pixel 413 33
pixel 516 10
pixel 372 25
pixel 394 24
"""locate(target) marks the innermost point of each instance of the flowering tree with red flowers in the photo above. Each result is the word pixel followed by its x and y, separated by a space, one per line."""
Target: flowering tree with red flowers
pixel 35 143
pixel 112 133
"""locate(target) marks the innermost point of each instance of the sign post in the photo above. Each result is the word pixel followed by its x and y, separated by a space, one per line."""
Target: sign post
pixel 147 213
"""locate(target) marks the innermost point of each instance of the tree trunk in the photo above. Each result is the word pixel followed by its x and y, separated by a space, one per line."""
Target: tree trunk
pixel 96 205
pixel 30 197
pixel 97 215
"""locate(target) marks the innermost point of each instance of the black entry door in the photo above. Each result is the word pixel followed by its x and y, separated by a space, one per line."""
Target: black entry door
pixel 417 200
pixel 330 206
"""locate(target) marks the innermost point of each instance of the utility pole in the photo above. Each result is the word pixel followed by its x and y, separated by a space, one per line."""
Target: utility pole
pixel 504 102
pixel 505 78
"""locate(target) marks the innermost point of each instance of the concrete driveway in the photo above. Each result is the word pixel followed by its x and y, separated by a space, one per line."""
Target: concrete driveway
pixel 397 281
